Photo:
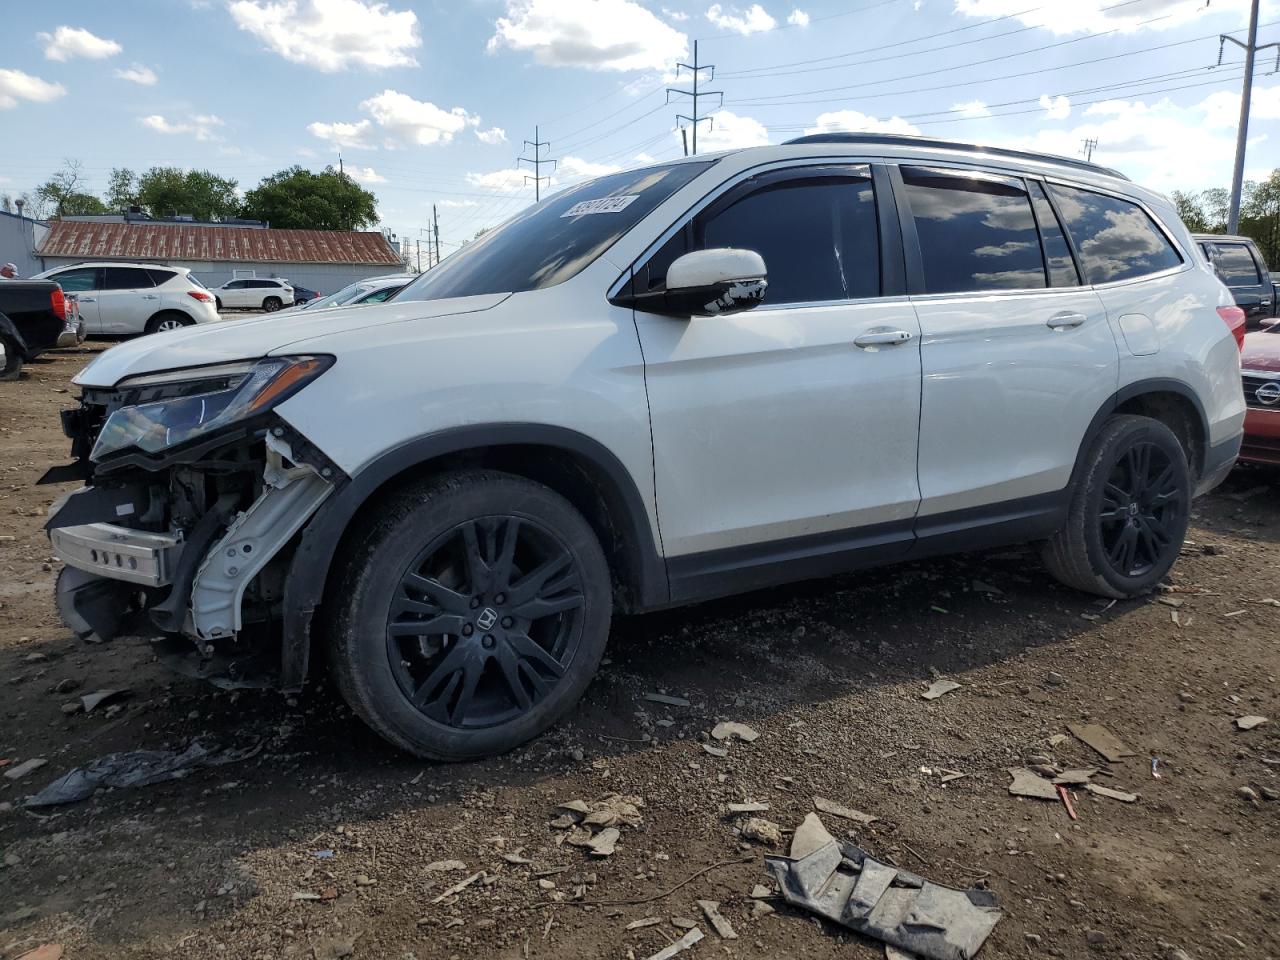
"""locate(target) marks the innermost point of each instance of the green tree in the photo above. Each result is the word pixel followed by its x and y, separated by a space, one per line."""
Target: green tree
pixel 1260 217
pixel 301 200
pixel 65 195
pixel 172 191
pixel 1190 211
pixel 122 189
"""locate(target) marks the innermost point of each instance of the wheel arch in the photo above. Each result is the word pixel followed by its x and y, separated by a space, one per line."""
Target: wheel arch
pixel 163 312
pixel 1172 402
pixel 577 467
pixel 9 329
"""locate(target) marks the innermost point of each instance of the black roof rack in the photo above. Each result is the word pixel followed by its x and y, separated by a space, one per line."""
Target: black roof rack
pixel 905 140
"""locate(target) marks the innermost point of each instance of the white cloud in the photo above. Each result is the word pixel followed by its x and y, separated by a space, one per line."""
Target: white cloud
pixel 492 136
pixel 729 131
pixel 16 85
pixel 365 174
pixel 643 159
pixel 66 43
pixel 137 73
pixel 1222 109
pixel 675 15
pixel 755 19
pixel 596 34
pixel 201 125
pixel 798 18
pixel 458 204
pixel 1055 108
pixel 416 120
pixel 331 35
pixel 573 168
pixel 972 108
pixel 1097 16
pixel 353 135
pixel 851 121
pixel 502 181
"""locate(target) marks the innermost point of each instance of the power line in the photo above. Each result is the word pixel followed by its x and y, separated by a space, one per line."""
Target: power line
pixel 1090 145
pixel 695 69
pixel 537 161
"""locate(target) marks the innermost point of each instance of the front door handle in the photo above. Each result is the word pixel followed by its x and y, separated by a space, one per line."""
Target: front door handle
pixel 149 296
pixel 87 300
pixel 882 338
pixel 1061 321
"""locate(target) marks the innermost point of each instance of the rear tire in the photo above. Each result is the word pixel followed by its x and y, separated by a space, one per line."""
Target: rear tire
pixel 474 612
pixel 217 303
pixel 168 321
pixel 10 360
pixel 272 304
pixel 1128 514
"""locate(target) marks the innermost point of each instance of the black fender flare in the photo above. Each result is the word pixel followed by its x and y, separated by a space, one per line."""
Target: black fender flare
pixel 9 330
pixel 312 561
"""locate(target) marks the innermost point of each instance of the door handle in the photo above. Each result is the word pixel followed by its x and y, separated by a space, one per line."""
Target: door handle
pixel 1065 320
pixel 86 299
pixel 882 338
pixel 149 296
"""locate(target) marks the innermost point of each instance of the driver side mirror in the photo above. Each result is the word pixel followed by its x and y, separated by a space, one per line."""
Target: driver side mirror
pixel 706 283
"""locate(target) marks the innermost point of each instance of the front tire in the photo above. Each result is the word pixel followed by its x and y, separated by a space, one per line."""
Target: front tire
pixel 10 360
pixel 474 613
pixel 1128 514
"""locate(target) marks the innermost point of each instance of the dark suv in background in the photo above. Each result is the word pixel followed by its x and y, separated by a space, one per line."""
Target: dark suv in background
pixel 1242 268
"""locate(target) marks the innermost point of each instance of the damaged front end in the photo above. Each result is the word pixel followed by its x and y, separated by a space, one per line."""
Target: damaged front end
pixel 194 492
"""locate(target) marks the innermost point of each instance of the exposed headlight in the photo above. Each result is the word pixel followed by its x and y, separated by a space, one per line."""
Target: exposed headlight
pixel 168 409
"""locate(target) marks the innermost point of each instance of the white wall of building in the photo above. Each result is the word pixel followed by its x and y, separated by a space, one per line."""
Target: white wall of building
pixel 19 236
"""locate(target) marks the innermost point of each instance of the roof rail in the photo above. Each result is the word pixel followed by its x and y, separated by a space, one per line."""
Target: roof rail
pixel 930 142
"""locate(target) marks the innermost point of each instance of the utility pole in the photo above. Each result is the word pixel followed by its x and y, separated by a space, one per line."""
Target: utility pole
pixel 1242 131
pixel 436 222
pixel 340 170
pixel 696 69
pixel 537 161
pixel 419 242
pixel 1089 147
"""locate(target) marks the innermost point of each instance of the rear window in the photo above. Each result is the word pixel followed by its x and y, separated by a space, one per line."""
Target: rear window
pixel 1115 238
pixel 161 276
pixel 1236 265
pixel 549 242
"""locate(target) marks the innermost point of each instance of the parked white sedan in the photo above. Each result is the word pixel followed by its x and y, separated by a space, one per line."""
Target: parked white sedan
pixel 268 294
pixel 124 298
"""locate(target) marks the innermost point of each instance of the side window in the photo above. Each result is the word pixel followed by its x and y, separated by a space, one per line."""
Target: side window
pixel 265 284
pixel 1057 255
pixel 76 281
pixel 378 296
pixel 159 277
pixel 237 284
pixel 975 232
pixel 127 278
pixel 1115 238
pixel 1235 264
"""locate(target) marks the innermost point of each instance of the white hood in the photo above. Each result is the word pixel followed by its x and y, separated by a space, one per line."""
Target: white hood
pixel 261 336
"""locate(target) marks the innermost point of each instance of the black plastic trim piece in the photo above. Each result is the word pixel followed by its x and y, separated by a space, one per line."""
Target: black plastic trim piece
pixel 913 260
pixel 991 525
pixel 100 505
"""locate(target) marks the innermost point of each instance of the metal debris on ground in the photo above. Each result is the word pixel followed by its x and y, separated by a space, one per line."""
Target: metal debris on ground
pixel 135 768
pixel 938 688
pixel 666 700
pixel 1101 739
pixel 711 910
pixel 684 943
pixel 96 699
pixel 824 805
pixel 1028 783
pixel 843 884
pixel 732 730
pixel 1248 723
pixel 1110 793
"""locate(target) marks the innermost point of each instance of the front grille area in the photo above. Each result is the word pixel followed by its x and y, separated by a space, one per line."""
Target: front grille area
pixel 1255 381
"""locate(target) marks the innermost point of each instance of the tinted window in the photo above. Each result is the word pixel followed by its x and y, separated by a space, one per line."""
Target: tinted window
pixel 236 284
pixel 1116 239
pixel 378 296
pixel 975 233
pixel 818 237
pixel 265 284
pixel 127 278
pixel 73 281
pixel 1235 264
pixel 1062 269
pixel 161 276
pixel 551 241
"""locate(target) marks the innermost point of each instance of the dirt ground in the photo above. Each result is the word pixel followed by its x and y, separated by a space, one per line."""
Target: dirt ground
pixel 830 673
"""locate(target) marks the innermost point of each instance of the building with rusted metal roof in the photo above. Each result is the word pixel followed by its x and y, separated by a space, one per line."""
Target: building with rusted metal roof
pixel 322 260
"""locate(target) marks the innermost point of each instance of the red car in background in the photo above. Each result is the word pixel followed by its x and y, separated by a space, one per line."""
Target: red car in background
pixel 1260 368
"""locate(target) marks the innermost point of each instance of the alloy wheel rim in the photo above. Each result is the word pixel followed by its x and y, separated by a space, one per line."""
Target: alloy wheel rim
pixel 485 622
pixel 1142 505
pixel 169 325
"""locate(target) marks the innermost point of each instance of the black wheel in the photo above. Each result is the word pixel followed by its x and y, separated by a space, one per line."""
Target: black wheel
pixel 271 304
pixel 474 612
pixel 217 303
pixel 10 360
pixel 1128 513
pixel 168 321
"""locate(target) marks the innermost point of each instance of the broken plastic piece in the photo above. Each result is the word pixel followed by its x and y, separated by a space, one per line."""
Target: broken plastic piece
pixel 1100 739
pixel 841 883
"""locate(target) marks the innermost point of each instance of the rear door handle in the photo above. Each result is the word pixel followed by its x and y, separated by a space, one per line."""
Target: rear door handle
pixel 149 296
pixel 882 338
pixel 1065 320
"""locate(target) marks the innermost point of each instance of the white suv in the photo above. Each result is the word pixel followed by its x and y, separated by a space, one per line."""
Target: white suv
pixel 661 386
pixel 269 294
pixel 126 298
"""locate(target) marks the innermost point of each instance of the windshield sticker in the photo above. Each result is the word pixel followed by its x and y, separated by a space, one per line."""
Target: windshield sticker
pixel 603 205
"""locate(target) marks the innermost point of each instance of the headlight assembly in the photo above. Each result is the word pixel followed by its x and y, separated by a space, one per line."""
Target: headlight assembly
pixel 167 409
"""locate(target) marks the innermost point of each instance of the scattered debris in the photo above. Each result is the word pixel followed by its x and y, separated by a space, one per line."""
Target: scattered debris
pixel 460 886
pixel 762 831
pixel 333 949
pixel 760 892
pixel 22 769
pixel 441 866
pixel 1100 739
pixel 841 883
pixel 748 807
pixel 646 922
pixel 809 836
pixel 1027 783
pixel 1110 793
pixel 715 751
pixel 1058 739
pixel 938 688
pixel 305 895
pixel 684 943
pixel 604 842
pixel 1065 796
pixel 135 768
pixel 1155 768
pixel 96 699
pixel 761 909
pixel 979 587
pixel 665 700
pixel 1248 723
pixel 1075 778
pixel 732 730
pixel 325 855
pixel 722 927
pixel 824 805
pixel 684 923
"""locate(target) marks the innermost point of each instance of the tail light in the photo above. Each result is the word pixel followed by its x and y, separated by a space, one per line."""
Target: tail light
pixel 1233 317
pixel 58 302
pixel 208 297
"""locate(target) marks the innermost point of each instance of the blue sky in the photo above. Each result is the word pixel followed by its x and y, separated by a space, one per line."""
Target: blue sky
pixel 430 101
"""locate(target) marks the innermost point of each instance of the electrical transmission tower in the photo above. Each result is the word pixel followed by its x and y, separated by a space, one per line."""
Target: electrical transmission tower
pixel 1242 132
pixel 696 69
pixel 1089 147
pixel 537 161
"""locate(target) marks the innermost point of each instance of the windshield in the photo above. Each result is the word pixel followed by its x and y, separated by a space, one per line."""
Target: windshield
pixel 345 295
pixel 549 242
